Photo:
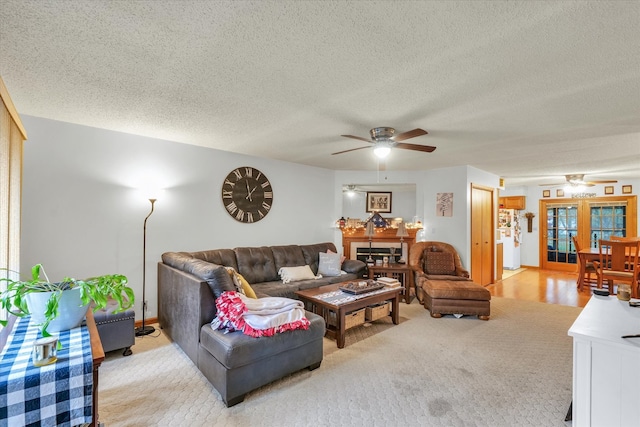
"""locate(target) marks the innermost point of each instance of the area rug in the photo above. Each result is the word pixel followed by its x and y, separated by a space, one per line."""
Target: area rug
pixel 513 370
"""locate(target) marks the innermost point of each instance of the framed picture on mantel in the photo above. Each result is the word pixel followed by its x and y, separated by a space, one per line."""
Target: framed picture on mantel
pixel 379 202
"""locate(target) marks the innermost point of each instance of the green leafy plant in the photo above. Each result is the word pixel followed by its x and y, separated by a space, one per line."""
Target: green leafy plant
pixel 94 289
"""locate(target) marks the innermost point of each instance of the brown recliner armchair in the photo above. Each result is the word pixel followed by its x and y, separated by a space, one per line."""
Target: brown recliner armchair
pixel 427 263
pixel 443 285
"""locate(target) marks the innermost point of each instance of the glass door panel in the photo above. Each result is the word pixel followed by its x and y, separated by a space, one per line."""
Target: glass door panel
pixel 562 225
pixel 589 220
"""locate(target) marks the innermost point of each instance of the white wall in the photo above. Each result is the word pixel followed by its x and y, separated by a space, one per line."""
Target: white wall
pixel 403 205
pixel 83 213
pixel 455 230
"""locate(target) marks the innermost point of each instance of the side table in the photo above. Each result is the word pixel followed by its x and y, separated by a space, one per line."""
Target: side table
pixel 59 392
pixel 401 272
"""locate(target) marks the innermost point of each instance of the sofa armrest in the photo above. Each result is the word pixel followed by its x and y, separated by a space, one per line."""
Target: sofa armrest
pixel 354 266
pixel 185 303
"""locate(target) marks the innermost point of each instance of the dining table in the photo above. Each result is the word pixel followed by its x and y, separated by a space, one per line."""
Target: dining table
pixel 587 255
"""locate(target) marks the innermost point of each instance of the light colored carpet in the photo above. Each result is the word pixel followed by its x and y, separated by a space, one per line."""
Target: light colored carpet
pixel 514 370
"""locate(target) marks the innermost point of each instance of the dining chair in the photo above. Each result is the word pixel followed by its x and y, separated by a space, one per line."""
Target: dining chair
pixel 589 267
pixel 618 262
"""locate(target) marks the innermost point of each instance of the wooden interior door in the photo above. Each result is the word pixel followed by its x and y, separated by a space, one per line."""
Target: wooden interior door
pixel 482 234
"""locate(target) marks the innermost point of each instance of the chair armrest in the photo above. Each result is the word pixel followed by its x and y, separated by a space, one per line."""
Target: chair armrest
pixel 462 272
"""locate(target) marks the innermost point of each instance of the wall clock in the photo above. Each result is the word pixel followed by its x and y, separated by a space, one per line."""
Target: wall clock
pixel 247 194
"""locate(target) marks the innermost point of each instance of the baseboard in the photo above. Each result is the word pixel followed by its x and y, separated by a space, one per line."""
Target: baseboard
pixel 149 321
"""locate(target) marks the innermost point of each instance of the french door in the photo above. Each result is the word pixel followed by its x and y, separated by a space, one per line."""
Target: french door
pixel 589 219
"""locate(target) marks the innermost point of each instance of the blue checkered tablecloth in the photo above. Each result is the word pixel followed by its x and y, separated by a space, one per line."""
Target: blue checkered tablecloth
pixel 60 394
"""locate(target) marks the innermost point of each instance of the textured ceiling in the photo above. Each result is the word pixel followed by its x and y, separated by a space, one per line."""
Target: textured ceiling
pixel 529 91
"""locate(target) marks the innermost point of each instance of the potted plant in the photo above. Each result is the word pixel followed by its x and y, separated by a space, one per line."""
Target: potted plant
pixel 62 305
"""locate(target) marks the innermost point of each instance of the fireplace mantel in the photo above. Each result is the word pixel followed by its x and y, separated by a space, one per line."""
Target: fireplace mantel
pixel 383 235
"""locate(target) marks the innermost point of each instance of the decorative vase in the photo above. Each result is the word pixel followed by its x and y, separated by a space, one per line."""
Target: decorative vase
pixel 71 311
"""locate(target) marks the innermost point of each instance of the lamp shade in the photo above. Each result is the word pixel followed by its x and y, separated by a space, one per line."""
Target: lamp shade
pixel 369 230
pixel 402 230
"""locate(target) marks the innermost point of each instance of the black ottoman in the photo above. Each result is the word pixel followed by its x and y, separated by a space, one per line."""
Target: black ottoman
pixel 116 330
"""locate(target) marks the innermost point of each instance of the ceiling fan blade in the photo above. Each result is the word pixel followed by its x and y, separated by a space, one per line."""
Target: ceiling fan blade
pixel 346 151
pixel 415 147
pixel 358 137
pixel 409 134
pixel 601 182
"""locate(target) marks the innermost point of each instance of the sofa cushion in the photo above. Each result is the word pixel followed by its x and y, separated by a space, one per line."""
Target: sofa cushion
pixel 287 256
pixel 256 264
pixel 311 253
pixel 439 263
pixel 329 264
pixel 236 349
pixel 276 289
pixel 226 257
pixel 220 282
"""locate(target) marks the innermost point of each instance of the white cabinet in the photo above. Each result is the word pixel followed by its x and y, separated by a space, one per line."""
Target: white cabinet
pixel 606 377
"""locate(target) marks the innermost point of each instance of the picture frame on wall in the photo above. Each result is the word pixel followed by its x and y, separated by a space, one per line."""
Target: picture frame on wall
pixel 608 189
pixel 444 204
pixel 546 193
pixel 559 193
pixel 379 202
pixel 626 189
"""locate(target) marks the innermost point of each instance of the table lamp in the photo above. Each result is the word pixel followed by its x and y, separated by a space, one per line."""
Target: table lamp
pixel 369 232
pixel 402 233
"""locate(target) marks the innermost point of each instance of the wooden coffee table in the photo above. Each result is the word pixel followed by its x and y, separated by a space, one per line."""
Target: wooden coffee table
pixel 323 305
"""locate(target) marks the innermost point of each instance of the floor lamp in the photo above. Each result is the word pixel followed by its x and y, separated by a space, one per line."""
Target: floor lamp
pixel 145 330
pixel 369 232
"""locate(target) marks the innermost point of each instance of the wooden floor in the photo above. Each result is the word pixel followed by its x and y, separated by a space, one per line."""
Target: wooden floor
pixel 553 287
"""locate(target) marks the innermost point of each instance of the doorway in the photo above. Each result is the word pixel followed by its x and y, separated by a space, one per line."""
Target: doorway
pixel 589 219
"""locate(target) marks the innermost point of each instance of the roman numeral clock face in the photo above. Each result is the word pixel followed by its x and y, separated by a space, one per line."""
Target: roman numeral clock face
pixel 247 194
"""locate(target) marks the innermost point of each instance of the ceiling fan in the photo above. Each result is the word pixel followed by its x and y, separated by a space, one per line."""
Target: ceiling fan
pixel 384 139
pixel 577 179
pixel 351 190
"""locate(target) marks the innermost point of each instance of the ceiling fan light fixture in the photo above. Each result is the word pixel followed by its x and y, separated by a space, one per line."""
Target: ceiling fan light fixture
pixel 381 152
pixel 382 149
pixel 574 188
pixel 351 190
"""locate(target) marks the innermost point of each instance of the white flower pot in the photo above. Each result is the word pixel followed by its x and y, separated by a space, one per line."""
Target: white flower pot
pixel 71 310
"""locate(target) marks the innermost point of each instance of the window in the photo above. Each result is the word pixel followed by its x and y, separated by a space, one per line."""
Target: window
pixel 607 219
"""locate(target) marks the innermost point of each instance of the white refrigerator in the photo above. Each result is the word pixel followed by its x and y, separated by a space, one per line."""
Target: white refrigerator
pixel 509 226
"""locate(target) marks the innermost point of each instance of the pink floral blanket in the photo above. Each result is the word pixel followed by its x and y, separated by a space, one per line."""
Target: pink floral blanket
pixel 262 317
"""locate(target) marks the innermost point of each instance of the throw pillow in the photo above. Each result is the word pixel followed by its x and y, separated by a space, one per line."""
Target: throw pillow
pixel 294 274
pixel 342 257
pixel 329 264
pixel 441 263
pixel 241 284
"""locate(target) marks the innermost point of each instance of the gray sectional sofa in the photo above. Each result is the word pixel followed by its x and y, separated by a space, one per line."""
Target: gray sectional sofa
pixel 189 282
